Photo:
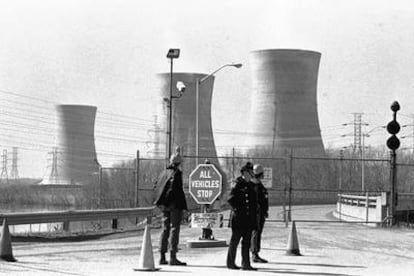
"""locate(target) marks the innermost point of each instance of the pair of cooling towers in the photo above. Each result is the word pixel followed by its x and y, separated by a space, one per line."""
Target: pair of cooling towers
pixel 283 115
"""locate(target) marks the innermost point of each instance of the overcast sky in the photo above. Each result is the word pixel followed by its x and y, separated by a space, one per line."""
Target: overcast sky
pixel 106 54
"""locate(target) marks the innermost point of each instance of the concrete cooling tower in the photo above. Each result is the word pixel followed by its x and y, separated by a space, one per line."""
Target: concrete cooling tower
pixel 284 112
pixel 184 115
pixel 74 159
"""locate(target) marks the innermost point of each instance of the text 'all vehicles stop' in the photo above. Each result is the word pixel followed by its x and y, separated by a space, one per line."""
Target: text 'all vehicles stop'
pixel 205 183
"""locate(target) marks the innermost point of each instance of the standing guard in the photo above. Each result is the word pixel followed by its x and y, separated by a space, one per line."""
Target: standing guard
pixel 243 217
pixel 171 200
pixel 262 212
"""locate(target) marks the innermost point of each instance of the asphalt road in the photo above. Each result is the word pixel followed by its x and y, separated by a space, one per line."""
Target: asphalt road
pixel 328 249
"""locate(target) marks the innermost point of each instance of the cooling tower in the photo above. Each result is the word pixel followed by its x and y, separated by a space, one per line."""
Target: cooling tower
pixel 184 115
pixel 74 158
pixel 284 112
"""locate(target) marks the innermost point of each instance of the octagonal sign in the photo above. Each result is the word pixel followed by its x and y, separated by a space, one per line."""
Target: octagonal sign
pixel 205 184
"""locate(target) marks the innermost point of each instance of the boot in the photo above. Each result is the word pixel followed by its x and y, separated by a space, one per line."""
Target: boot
pixel 163 260
pixel 256 259
pixel 248 268
pixel 174 260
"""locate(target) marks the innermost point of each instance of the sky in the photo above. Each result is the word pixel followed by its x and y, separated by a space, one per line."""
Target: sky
pixel 107 53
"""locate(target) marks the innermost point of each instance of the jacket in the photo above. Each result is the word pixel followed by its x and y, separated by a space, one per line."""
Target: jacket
pixel 262 200
pixel 243 201
pixel 169 189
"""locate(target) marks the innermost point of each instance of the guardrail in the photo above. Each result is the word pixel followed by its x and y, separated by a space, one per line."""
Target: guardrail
pixel 367 208
pixel 75 215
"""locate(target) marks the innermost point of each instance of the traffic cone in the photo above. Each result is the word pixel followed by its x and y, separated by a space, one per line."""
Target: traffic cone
pixel 293 244
pixel 146 260
pixel 6 253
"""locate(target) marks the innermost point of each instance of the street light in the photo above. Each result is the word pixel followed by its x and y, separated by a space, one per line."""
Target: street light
pixel 198 83
pixel 172 54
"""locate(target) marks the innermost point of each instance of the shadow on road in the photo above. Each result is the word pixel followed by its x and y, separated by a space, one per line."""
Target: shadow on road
pixel 325 265
pixel 208 266
pixel 285 271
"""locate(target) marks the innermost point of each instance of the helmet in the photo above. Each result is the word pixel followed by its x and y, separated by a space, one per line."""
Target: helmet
pixel 258 169
pixel 176 159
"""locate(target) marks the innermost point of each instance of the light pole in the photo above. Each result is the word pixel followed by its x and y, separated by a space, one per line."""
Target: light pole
pixel 198 83
pixel 172 54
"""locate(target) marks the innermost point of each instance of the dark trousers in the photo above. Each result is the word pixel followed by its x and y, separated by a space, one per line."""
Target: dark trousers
pixel 236 235
pixel 257 236
pixel 171 220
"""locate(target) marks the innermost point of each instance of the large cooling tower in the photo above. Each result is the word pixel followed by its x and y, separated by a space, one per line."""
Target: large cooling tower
pixel 184 115
pixel 284 112
pixel 74 158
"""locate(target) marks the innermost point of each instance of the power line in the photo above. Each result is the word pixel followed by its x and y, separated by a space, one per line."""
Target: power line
pixel 54 103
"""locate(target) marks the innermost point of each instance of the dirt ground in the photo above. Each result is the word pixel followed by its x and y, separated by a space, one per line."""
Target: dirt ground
pixel 331 249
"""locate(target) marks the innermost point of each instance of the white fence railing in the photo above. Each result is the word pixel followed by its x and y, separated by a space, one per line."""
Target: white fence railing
pixel 366 208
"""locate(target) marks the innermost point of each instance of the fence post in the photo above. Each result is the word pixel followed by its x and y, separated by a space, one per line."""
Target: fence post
pixel 367 207
pixel 100 188
pixel 290 184
pixel 232 170
pixel 340 206
pixel 65 226
pixel 115 223
pixel 341 160
pixel 136 203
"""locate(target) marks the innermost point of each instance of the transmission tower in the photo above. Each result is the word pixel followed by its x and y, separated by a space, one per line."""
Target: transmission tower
pixel 14 174
pixel 357 133
pixel 357 123
pixel 4 177
pixel 54 171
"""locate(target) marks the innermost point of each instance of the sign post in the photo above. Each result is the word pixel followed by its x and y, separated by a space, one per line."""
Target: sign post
pixel 205 186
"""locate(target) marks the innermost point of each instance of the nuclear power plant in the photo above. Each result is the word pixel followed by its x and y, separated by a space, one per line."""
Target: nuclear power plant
pixel 74 159
pixel 284 113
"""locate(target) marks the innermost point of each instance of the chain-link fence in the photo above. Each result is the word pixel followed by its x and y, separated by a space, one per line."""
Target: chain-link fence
pixel 295 180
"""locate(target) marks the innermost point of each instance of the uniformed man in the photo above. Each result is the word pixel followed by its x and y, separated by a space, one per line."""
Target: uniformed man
pixel 171 200
pixel 262 212
pixel 243 217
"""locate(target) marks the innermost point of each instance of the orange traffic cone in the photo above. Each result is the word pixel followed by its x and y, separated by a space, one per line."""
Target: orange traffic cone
pixel 293 244
pixel 146 260
pixel 5 244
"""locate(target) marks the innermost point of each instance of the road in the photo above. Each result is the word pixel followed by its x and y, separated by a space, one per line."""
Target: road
pixel 328 249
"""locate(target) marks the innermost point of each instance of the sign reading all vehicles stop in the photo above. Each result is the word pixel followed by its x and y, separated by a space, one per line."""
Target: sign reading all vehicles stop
pixel 205 184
